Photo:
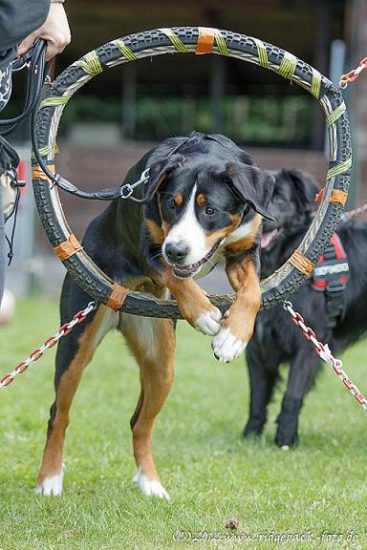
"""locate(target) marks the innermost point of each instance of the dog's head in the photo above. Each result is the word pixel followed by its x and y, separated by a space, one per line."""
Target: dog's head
pixel 292 206
pixel 204 191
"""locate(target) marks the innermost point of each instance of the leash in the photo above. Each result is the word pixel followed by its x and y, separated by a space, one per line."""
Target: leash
pixel 351 213
pixel 34 61
pixel 64 330
pixel 323 351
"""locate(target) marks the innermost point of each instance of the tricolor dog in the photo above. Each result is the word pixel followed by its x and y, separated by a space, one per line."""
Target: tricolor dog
pixel 204 200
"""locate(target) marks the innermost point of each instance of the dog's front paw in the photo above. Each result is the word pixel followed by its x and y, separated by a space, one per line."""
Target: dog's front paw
pixel 209 322
pixel 226 346
pixel 150 487
pixel 50 485
pixel 285 439
pixel 254 427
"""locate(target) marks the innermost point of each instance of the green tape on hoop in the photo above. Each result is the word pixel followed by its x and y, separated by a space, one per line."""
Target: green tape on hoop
pixel 90 64
pixel 334 115
pixel 288 65
pixel 44 151
pixel 53 101
pixel 262 53
pixel 339 168
pixel 316 83
pixel 175 40
pixel 126 52
pixel 221 43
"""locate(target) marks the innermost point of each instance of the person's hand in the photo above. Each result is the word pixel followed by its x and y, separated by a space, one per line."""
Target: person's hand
pixel 55 30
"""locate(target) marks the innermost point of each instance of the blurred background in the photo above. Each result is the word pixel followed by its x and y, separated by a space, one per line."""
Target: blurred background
pixel 116 118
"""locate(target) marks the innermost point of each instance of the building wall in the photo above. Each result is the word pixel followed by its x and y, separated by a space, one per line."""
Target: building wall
pixel 94 168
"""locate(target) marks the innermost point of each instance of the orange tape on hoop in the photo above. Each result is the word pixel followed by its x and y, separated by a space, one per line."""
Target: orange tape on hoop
pixel 300 262
pixel 337 195
pixel 38 173
pixel 117 296
pixel 205 41
pixel 68 248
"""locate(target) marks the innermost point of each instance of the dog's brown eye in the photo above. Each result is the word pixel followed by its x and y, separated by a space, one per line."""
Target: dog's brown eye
pixel 209 210
pixel 172 204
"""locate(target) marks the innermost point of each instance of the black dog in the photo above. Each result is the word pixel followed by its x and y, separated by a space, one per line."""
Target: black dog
pixel 204 199
pixel 276 340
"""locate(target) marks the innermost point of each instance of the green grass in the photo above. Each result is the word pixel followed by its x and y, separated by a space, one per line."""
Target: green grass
pixel 210 472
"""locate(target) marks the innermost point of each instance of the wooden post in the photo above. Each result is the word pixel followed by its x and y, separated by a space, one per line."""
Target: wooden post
pixel 356 96
pixel 217 86
pixel 128 101
pixel 321 55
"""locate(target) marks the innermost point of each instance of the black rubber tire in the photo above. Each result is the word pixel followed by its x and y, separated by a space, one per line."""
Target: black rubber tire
pixel 287 279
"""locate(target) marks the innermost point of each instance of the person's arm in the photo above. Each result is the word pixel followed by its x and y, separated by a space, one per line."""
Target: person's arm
pixel 18 18
pixel 55 30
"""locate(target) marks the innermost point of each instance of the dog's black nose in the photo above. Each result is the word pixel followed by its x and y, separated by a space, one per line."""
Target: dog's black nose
pixel 176 252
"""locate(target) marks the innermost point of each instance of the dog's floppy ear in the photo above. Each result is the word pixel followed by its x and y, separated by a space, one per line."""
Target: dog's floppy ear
pixel 253 186
pixel 158 174
pixel 306 188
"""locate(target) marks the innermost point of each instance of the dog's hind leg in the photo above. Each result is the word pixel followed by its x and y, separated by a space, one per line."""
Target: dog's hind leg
pixel 152 342
pixel 73 354
pixel 304 368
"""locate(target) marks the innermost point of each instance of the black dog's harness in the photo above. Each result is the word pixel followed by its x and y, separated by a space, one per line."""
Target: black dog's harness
pixel 331 275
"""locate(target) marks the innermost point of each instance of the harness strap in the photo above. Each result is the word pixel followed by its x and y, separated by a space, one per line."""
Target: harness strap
pixel 331 275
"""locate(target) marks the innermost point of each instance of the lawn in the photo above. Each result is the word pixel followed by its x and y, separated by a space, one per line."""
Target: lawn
pixel 313 496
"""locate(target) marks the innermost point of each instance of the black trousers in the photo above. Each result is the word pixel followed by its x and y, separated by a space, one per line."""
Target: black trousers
pixel 17 21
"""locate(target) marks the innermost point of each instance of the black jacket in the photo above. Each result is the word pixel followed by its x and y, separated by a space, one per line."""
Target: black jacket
pixel 18 18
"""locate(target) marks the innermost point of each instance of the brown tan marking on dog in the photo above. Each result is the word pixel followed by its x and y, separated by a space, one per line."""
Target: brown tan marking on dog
pixel 156 232
pixel 191 299
pixel 213 237
pixel 156 378
pixel 201 199
pixel 248 241
pixel 178 199
pixel 52 456
pixel 240 317
pixel 165 228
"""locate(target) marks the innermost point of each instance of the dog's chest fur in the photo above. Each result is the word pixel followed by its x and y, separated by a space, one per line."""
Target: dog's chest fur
pixel 242 232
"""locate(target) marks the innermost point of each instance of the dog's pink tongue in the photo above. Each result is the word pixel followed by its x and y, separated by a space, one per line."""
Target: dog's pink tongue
pixel 266 238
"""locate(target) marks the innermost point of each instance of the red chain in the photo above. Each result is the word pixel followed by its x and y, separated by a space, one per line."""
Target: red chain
pixel 64 330
pixel 351 213
pixel 323 351
pixel 345 79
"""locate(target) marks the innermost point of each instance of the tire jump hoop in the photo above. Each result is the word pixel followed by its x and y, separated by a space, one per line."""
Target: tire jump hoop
pixel 198 40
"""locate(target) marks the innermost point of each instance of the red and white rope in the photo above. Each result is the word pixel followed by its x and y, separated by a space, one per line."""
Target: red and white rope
pixel 351 213
pixel 345 79
pixel 64 330
pixel 323 351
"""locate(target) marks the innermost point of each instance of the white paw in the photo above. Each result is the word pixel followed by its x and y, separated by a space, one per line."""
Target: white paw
pixel 209 323
pixel 150 487
pixel 226 346
pixel 284 448
pixel 51 485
